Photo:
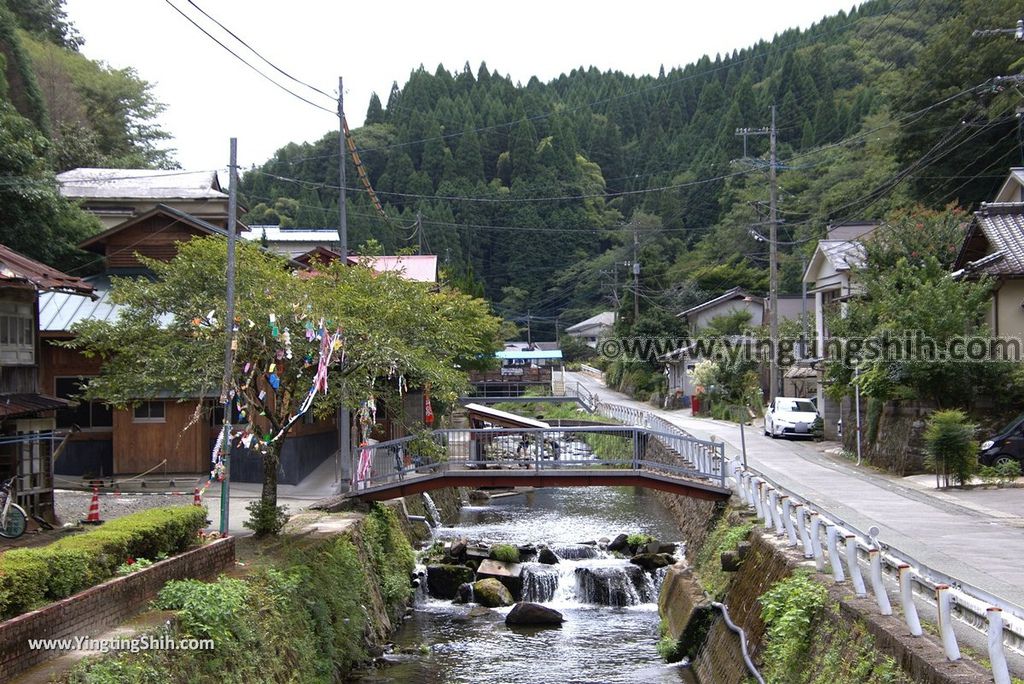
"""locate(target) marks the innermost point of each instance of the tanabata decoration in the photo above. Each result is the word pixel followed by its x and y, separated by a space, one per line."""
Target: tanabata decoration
pixel 428 410
pixel 274 381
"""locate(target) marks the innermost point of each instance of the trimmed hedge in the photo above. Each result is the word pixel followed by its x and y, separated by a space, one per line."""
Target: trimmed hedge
pixel 31 577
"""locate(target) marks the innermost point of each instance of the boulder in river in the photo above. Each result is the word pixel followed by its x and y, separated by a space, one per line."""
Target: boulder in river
pixel 652 561
pixel 458 549
pixel 547 556
pixel 443 580
pixel 465 594
pixel 533 614
pixel 619 543
pixel 491 593
pixel 509 574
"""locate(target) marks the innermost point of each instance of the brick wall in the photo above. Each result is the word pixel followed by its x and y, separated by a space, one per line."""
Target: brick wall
pixel 95 610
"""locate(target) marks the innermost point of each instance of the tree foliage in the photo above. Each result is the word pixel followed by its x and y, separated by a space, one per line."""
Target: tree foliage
pixel 169 337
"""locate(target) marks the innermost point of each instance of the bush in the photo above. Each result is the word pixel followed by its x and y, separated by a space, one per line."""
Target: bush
pixel 506 553
pixel 265 519
pixel 789 609
pixel 30 577
pixel 1000 474
pixel 637 540
pixel 951 451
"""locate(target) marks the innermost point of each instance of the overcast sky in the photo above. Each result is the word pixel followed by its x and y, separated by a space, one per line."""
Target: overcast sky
pixel 211 96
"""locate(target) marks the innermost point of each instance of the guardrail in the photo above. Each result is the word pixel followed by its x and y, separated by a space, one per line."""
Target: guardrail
pixel 563 448
pixel 802 523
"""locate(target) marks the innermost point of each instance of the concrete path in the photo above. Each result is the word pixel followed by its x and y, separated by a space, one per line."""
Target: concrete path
pixel 977 537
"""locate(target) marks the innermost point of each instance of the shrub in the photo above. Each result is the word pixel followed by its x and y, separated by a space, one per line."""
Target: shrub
pixel 392 557
pixel 506 553
pixel 265 519
pixel 29 577
pixel 951 451
pixel 1000 474
pixel 637 540
pixel 788 609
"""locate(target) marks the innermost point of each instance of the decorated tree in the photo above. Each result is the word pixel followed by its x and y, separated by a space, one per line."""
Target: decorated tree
pixel 304 341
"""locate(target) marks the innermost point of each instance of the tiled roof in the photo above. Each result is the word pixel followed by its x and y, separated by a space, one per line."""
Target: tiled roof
pixel 144 184
pixel 18 269
pixel 1003 228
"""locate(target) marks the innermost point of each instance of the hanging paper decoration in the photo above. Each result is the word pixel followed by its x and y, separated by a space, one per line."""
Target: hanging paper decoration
pixel 428 410
pixel 274 381
pixel 365 467
pixel 287 338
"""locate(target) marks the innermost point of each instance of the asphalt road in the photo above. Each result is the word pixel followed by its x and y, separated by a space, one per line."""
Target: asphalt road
pixel 975 536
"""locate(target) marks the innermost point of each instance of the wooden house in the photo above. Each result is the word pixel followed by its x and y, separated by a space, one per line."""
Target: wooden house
pixel 27 428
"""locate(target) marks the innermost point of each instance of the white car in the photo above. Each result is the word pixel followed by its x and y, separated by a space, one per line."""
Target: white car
pixel 789 416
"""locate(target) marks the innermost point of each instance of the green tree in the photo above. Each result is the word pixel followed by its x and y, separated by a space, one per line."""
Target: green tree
pixel 170 336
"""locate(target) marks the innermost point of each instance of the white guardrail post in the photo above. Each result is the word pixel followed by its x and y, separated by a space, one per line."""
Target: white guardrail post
pixel 906 575
pixel 853 567
pixel 1000 671
pixel 949 645
pixel 819 554
pixel 832 534
pixel 877 586
pixel 787 519
pixel 802 524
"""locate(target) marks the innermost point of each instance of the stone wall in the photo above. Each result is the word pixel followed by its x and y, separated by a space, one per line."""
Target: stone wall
pixel 898 444
pixel 849 618
pixel 91 612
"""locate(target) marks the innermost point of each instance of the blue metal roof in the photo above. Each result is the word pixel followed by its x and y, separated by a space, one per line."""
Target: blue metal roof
pixel 58 311
pixel 521 354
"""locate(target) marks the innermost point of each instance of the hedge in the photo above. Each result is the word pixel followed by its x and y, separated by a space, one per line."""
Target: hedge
pixel 30 577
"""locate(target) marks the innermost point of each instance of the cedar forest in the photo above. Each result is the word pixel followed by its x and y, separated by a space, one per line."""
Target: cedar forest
pixel 886 108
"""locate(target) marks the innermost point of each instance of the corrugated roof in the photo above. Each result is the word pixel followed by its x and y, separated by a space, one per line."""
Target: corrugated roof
pixel 1002 225
pixel 419 267
pixel 58 311
pixel 14 405
pixel 87 183
pixel 605 318
pixel 279 234
pixel 18 269
pixel 493 415
pixel 844 254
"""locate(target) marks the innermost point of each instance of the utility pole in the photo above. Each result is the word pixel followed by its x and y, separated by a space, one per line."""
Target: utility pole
pixel 773 268
pixel 226 396
pixel 636 279
pixel 344 420
pixel 773 247
pixel 419 229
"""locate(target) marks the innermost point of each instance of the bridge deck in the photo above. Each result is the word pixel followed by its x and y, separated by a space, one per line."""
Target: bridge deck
pixel 414 483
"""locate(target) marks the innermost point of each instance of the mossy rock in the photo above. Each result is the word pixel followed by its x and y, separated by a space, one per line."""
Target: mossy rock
pixel 492 593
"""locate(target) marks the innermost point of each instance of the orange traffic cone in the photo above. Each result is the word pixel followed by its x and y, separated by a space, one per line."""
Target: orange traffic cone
pixel 196 500
pixel 94 509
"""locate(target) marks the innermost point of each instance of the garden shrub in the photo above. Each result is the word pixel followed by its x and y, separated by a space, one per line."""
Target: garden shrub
pixel 951 451
pixel 30 577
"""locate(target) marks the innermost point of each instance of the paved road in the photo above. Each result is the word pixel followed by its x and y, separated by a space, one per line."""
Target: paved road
pixel 976 538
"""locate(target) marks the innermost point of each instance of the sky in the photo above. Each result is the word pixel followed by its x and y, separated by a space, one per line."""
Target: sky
pixel 212 97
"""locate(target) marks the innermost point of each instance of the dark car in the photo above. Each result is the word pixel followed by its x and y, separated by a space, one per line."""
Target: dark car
pixel 1006 445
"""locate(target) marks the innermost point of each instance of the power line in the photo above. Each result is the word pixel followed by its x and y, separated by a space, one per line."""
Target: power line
pixel 246 63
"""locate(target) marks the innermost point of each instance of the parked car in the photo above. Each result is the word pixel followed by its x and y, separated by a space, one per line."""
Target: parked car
pixel 790 417
pixel 1006 445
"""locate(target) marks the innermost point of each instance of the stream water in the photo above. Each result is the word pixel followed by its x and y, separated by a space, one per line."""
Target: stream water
pixel 610 606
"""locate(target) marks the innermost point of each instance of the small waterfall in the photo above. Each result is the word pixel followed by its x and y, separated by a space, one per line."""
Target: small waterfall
pixel 540 582
pixel 435 516
pixel 577 552
pixel 614 585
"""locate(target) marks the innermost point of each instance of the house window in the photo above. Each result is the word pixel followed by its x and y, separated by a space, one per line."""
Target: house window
pixel 149 412
pixel 88 414
pixel 17 334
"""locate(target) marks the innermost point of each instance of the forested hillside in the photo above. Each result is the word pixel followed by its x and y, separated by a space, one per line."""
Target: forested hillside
pixel 58 111
pixel 537 190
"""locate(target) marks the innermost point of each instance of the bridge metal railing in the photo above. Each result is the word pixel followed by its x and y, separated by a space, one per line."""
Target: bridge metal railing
pixel 839 546
pixel 564 448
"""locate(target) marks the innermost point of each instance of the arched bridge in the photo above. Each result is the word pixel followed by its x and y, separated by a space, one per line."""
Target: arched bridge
pixel 541 457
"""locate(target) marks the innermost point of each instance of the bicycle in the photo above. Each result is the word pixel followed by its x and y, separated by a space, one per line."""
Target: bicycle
pixel 12 516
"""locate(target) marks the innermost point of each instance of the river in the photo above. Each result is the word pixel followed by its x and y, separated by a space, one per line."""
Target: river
pixel 597 643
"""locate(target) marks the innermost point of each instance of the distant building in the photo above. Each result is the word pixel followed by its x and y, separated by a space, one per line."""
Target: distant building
pixel 830 277
pixel 592 329
pixel 117 195
pixel 293 242
pixel 698 317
